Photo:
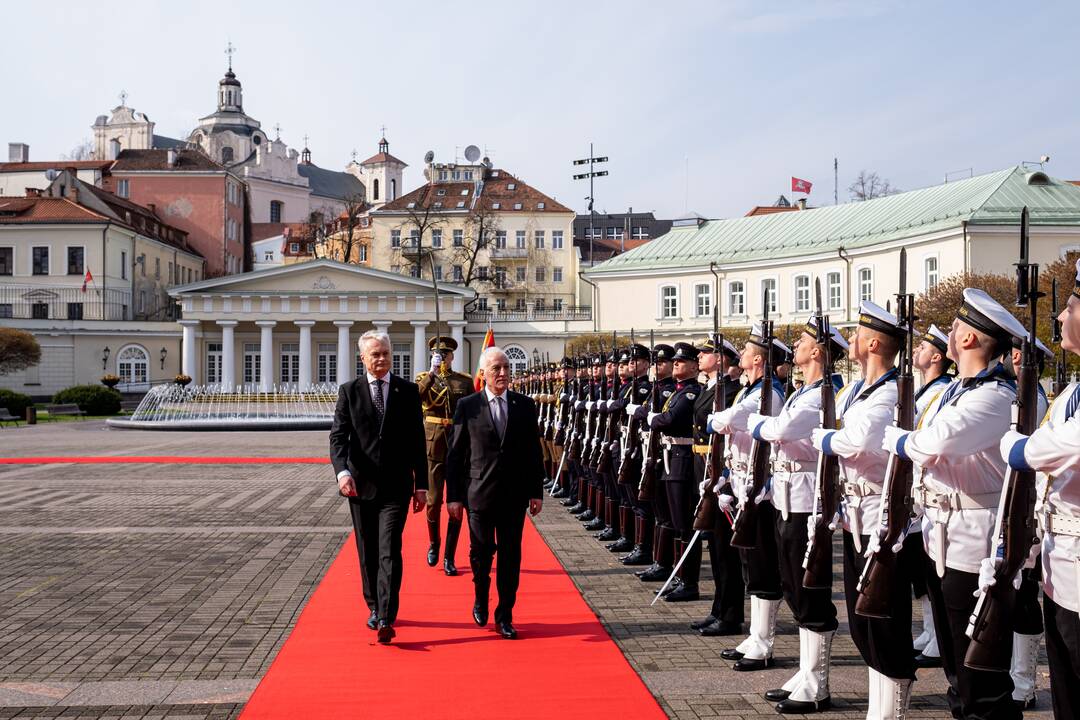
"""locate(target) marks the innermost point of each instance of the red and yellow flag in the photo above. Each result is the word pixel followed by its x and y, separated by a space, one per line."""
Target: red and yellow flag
pixel 489 341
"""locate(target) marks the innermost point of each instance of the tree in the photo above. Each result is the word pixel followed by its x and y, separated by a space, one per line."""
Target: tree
pixel 481 226
pixel 18 350
pixel 343 238
pixel 868 185
pixel 82 151
pixel 420 220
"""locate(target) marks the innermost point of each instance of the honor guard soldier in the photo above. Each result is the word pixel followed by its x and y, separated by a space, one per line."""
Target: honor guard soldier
pixel 675 423
pixel 592 516
pixel 663 531
pixel 636 516
pixel 1054 450
pixel 956 446
pixel 576 437
pixel 564 414
pixel 760 565
pixel 932 361
pixel 605 456
pixel 440 389
pixel 864 409
pixel 719 364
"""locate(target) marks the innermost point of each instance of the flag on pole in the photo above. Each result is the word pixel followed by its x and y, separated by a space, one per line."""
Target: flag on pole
pixel 86 280
pixel 489 341
pixel 802 186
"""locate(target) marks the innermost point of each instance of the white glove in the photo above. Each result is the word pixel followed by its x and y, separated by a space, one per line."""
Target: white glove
pixel 893 435
pixel 436 361
pixel 610 404
pixel 817 437
pixel 726 502
pixel 589 405
pixel 717 421
pixel 754 420
pixel 765 494
pixel 987 569
pixel 630 409
pixel 873 545
pixel 649 418
pixel 704 485
pixel 580 405
pixel 1008 440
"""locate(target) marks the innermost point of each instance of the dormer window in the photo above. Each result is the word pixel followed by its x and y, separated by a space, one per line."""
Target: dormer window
pixel 440 192
pixel 411 205
pixel 511 186
pixel 539 206
pixel 465 192
pixel 467 175
pixel 494 173
pixel 461 204
pixel 437 205
pixel 517 206
pixel 496 206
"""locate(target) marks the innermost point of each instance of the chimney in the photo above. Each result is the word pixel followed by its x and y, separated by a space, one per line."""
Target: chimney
pixel 33 192
pixel 18 152
pixel 152 207
pixel 802 203
pixel 170 157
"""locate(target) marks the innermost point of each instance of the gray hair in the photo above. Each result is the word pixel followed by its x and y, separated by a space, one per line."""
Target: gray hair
pixel 376 335
pixel 491 352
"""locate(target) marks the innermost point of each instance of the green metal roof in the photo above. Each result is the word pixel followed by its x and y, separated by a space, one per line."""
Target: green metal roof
pixel 992 199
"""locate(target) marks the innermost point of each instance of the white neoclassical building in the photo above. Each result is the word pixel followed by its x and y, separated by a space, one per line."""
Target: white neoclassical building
pixel 298 325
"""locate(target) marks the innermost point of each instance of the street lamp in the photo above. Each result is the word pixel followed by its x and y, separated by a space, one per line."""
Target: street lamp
pixel 536 357
pixel 591 161
pixel 105 358
pixel 164 352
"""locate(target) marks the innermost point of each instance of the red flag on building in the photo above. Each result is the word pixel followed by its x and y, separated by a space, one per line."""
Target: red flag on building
pixel 88 279
pixel 802 186
pixel 478 378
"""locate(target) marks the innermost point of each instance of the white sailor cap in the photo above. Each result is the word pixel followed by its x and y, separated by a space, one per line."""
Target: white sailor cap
pixel 837 337
pixel 986 314
pixel 1018 342
pixel 875 317
pixel 781 352
pixel 938 339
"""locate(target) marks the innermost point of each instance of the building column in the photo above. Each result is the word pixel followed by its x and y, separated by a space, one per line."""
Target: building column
pixel 266 354
pixel 228 354
pixel 382 326
pixel 190 364
pixel 419 346
pixel 344 354
pixel 305 352
pixel 457 331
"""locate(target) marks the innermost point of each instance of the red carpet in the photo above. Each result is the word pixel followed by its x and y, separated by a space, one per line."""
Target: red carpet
pixel 441 665
pixel 162 459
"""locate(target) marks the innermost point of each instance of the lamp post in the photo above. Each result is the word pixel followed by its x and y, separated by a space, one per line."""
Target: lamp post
pixel 164 353
pixel 105 358
pixel 591 161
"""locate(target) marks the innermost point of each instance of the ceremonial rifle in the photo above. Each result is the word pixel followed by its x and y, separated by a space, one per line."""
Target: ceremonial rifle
pixel 990 626
pixel 563 410
pixel 632 440
pixel 705 513
pixel 745 530
pixel 876 585
pixel 647 486
pixel 578 416
pixel 590 418
pixel 611 428
pixel 818 560
pixel 600 428
pixel 1061 363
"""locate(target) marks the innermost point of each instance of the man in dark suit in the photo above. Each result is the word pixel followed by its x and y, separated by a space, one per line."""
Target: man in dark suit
pixel 495 468
pixel 378 451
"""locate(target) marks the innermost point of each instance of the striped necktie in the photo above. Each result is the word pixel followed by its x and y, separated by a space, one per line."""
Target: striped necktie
pixel 1074 403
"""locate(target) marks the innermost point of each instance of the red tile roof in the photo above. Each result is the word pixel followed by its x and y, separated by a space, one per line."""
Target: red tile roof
pixel 9 167
pixel 19 210
pixel 495 190
pixel 381 158
pixel 769 210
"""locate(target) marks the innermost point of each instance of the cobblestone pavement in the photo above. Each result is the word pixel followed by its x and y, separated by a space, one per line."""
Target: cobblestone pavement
pixel 146 591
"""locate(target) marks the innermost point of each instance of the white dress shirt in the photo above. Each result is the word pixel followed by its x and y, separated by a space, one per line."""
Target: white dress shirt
pixel 497 408
pixel 794 457
pixel 732 422
pixel 385 400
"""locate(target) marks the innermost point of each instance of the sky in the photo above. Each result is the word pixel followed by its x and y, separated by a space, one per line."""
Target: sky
pixel 708 107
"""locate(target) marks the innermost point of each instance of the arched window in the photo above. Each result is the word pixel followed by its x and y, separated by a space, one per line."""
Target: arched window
pixel 519 361
pixel 133 367
pixel 375 189
pixel 393 189
pixel 226 154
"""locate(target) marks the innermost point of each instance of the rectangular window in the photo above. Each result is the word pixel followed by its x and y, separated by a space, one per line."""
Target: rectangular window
pixel 703 299
pixel 832 280
pixel 75 261
pixel 736 298
pixel 458 275
pixel 500 304
pixel 538 238
pixel 519 240
pixel 7 261
pixel 268 256
pixel 669 302
pixel 521 273
pixel 519 305
pixel 802 293
pixel 252 361
pixel 395 238
pixel 556 274
pixel 500 239
pixel 40 256
pixel 556 239
pixel 768 291
pixel 556 304
pixel 74 311
pixel 157 268
pixel 539 304
pixel 6 310
pixel 611 232
pixel 438 272
pixel 326 371
pixel 459 238
pixel 401 360
pixel 290 362
pixel 482 304
pixel 482 272
pixel 640 233
pixel 866 284
pixel 123 188
pixel 39 311
pixel 276 206
pixel 414 271
pixel 414 238
pixel 362 253
pixel 213 363
pixel 436 238
pixel 931 271
pixel 500 277
pixel 541 274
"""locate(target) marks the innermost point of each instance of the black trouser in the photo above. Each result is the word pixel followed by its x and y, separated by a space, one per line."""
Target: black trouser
pixel 1063 652
pixel 917 562
pixel 681 489
pixel 884 643
pixel 813 609
pixel 490 530
pixel 761 564
pixel 972 693
pixel 378 524
pixel 1027 615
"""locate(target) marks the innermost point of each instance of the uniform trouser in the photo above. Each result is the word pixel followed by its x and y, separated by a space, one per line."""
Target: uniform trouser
pixel 681 488
pixel 761 564
pixel 1063 652
pixel 884 643
pixel 545 449
pixel 661 508
pixel 813 609
pixel 437 446
pixel 727 604
pixel 917 562
pixel 972 693
pixel 1027 616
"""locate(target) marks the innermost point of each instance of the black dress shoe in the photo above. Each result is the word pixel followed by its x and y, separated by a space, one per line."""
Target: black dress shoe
pixel 569 503
pixel 607 534
pixel 777 695
pixel 479 614
pixel 660 574
pixel 672 587
pixel 637 556
pixel 683 593
pixel 506 629
pixel 698 624
pixel 386 632
pixel 433 554
pixel 720 629
pixel 731 654
pixel 449 567
pixel 373 620
pixel 559 494
pixel 749 665
pixel 620 545
pixel 652 566
pixel 1022 705
pixel 803 707
pixel 927 661
pixel 586 515
pixel 595 524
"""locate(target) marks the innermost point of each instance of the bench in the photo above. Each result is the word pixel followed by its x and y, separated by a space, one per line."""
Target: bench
pixel 55 410
pixel 6 417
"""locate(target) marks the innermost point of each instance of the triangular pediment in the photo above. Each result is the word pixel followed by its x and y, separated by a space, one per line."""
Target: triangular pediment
pixel 319 277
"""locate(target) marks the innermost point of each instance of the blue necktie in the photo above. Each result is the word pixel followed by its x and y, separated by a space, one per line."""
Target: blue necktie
pixel 1074 403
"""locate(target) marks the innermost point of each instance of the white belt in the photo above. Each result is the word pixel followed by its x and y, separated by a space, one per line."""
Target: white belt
pixel 861 488
pixel 1064 525
pixel 956 500
pixel 669 440
pixel 739 467
pixel 794 466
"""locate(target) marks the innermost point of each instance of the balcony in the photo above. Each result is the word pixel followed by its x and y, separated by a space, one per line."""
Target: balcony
pixel 514 253
pixel 573 312
pixel 502 285
pixel 21 302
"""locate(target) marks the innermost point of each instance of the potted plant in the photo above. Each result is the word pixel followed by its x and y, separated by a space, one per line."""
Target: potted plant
pixel 109 380
pixel 182 379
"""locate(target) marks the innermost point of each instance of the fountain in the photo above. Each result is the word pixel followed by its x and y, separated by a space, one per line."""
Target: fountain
pixel 246 407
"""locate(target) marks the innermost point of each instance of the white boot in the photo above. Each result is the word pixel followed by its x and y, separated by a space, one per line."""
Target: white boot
pixel 795 681
pixel 873 694
pixel 1025 656
pixel 814 656
pixel 759 646
pixel 926 643
pixel 894 698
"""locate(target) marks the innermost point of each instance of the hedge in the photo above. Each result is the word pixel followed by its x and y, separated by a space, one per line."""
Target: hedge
pixel 16 403
pixel 91 399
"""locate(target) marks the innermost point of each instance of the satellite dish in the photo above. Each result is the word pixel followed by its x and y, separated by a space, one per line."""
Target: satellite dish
pixel 472 153
pixel 429 156
pixel 51 174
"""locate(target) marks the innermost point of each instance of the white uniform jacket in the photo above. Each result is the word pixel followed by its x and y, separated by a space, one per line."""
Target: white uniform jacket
pixel 732 422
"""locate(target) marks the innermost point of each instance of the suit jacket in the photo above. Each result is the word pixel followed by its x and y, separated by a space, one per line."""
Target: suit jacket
pixel 391 459
pixel 484 472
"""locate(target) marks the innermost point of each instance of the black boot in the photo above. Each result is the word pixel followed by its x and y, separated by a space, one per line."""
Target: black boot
pixel 661 567
pixel 627 525
pixel 453 531
pixel 611 518
pixel 640 554
pixel 433 541
pixel 689 574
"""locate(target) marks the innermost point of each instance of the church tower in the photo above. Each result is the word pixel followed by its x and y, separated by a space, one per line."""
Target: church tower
pixel 381 174
pixel 230 94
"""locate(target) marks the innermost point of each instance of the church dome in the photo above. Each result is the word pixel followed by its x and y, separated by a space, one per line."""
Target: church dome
pixel 229 79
